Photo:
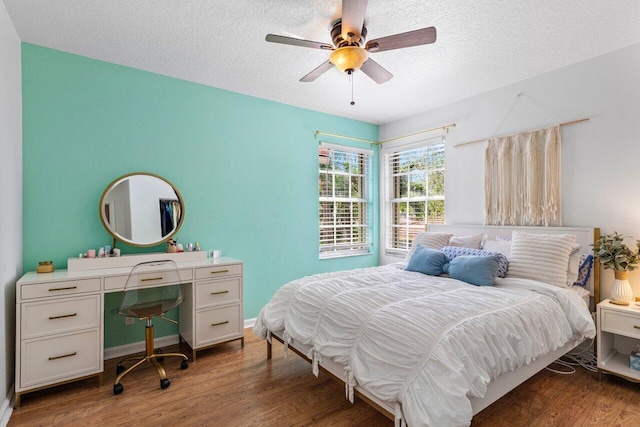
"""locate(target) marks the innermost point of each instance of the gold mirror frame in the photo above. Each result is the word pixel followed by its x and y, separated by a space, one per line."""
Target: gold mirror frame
pixel 104 216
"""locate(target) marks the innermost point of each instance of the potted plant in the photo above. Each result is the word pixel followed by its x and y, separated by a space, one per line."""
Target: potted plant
pixel 614 254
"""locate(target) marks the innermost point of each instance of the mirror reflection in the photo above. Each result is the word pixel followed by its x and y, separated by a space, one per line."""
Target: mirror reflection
pixel 141 209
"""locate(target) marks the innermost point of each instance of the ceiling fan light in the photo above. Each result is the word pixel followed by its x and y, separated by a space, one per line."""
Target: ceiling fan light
pixel 348 58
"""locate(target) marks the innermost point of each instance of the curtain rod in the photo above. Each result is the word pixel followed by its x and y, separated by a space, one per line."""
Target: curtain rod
pixel 572 122
pixel 444 128
pixel 353 138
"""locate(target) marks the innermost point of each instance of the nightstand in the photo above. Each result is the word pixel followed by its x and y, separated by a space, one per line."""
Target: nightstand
pixel 618 336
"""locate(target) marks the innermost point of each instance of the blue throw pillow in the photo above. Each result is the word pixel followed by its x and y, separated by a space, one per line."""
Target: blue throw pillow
pixel 427 261
pixel 584 271
pixel 452 252
pixel 476 270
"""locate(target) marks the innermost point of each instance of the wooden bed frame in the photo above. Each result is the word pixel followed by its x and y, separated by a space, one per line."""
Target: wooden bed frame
pixel 506 382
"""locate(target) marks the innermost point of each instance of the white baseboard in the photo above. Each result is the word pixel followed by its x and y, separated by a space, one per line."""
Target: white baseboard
pixel 137 347
pixel 6 409
pixel 248 323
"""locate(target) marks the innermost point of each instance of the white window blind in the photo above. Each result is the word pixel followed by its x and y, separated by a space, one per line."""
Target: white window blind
pixel 344 188
pixel 414 192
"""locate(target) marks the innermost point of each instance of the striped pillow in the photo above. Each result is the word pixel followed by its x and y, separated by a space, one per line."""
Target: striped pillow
pixel 429 240
pixel 542 257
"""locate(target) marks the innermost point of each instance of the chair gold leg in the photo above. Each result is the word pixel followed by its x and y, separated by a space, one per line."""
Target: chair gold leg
pixel 131 368
pixel 180 355
pixel 150 356
pixel 148 332
pixel 159 368
pixel 130 358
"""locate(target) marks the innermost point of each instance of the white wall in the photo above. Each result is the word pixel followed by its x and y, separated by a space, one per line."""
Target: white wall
pixel 600 158
pixel 11 198
pixel 146 192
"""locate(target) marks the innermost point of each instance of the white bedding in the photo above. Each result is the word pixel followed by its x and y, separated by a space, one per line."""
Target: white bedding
pixel 423 343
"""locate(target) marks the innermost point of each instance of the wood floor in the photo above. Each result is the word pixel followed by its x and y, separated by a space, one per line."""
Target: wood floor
pixel 229 386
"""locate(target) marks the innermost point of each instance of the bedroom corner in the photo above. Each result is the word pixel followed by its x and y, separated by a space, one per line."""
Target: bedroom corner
pixel 11 195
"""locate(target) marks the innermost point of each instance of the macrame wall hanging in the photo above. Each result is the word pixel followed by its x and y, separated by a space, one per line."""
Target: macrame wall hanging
pixel 522 175
pixel 522 179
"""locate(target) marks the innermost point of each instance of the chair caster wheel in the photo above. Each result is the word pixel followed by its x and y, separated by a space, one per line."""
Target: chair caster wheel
pixel 165 383
pixel 184 364
pixel 117 388
pixel 120 369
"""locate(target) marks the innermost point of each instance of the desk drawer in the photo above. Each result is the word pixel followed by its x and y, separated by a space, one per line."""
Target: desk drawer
pixel 52 289
pixel 217 292
pixel 218 324
pixel 117 283
pixel 61 315
pixel 218 271
pixel 620 323
pixel 50 360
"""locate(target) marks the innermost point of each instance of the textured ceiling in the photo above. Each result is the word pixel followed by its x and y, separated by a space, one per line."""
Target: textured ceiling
pixel 482 45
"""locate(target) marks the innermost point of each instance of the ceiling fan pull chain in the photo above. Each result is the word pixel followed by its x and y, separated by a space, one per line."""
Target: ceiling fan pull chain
pixel 351 78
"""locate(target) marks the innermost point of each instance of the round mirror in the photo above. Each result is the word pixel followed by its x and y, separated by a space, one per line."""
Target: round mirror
pixel 141 209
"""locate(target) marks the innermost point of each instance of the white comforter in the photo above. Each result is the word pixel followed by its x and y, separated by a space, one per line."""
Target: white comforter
pixel 423 343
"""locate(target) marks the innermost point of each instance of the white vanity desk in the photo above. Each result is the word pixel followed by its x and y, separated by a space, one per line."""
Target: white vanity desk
pixel 60 315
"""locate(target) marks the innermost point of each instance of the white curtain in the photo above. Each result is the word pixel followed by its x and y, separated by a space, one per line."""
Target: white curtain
pixel 522 179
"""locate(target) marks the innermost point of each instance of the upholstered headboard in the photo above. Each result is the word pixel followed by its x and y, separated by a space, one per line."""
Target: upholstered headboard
pixel 585 236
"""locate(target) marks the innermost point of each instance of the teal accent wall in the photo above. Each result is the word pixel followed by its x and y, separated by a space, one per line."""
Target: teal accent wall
pixel 246 168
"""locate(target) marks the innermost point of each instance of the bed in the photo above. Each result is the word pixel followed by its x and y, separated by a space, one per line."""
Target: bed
pixel 429 349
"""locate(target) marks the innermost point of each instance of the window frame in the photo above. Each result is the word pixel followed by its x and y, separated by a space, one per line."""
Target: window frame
pixel 386 154
pixel 340 250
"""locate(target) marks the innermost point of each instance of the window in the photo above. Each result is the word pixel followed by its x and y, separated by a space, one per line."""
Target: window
pixel 344 188
pixel 414 192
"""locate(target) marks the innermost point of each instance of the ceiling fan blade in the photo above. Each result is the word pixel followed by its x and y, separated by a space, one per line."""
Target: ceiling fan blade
pixel 297 42
pixel 317 72
pixel 374 70
pixel 398 41
pixel 353 17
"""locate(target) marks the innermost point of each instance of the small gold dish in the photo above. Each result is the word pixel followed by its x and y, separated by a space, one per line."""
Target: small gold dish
pixel 45 267
pixel 619 302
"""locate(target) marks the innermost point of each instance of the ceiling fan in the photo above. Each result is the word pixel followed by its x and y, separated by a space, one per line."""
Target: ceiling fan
pixel 349 51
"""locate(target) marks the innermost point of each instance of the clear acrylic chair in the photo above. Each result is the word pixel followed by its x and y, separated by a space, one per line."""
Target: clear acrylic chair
pixel 152 289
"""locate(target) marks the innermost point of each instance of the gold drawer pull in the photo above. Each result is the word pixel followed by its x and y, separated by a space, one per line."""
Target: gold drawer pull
pixel 219 271
pixel 220 323
pixel 219 292
pixel 148 279
pixel 636 326
pixel 64 355
pixel 62 289
pixel 63 316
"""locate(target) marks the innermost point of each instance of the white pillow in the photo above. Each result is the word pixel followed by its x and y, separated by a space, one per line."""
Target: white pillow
pixel 574 264
pixel 501 246
pixel 542 257
pixel 429 240
pixel 474 241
